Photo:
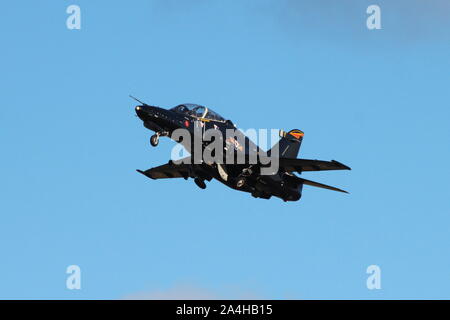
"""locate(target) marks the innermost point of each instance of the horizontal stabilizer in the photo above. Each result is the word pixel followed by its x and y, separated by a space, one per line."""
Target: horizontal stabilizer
pixel 302 165
pixel 320 185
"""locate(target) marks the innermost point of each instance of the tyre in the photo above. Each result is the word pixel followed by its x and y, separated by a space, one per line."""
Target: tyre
pixel 240 182
pixel 154 140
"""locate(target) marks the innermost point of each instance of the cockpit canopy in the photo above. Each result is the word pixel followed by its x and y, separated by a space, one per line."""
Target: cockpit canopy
pixel 198 111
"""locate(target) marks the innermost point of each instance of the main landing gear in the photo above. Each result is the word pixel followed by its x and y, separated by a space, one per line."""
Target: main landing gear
pixel 200 183
pixel 240 182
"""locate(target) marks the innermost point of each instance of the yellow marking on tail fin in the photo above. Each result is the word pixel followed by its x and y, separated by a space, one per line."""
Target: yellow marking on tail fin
pixel 297 134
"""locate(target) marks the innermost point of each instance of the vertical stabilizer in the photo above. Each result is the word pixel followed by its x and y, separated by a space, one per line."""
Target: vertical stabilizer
pixel 289 144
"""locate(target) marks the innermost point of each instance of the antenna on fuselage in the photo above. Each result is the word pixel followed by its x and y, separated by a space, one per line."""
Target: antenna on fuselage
pixel 138 100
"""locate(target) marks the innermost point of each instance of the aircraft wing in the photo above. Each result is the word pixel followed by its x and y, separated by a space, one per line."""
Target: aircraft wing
pixel 169 170
pixel 302 165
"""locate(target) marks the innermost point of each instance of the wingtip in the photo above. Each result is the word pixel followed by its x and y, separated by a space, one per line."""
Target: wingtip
pixel 340 190
pixel 145 174
pixel 342 165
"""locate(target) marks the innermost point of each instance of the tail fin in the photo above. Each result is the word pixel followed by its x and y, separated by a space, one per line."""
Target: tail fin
pixel 289 144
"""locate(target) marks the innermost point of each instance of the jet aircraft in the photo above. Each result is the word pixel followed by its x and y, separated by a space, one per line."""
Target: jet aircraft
pixel 245 175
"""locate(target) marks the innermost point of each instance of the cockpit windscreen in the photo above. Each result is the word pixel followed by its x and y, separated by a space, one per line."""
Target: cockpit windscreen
pixel 197 111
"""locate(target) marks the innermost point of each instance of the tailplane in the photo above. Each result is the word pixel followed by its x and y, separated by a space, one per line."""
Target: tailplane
pixel 298 182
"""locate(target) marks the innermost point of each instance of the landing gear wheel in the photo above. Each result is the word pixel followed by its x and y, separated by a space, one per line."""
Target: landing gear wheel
pixel 154 140
pixel 240 182
pixel 200 183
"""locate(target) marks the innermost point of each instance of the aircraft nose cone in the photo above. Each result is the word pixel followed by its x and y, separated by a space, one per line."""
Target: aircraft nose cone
pixel 146 112
pixel 140 111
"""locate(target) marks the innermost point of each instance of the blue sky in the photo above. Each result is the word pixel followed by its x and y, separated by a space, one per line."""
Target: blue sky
pixel 377 101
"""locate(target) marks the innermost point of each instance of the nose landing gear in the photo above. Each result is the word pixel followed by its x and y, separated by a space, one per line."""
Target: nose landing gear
pixel 154 140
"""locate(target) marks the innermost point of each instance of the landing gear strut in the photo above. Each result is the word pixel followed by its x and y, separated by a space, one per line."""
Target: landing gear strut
pixel 200 183
pixel 154 140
